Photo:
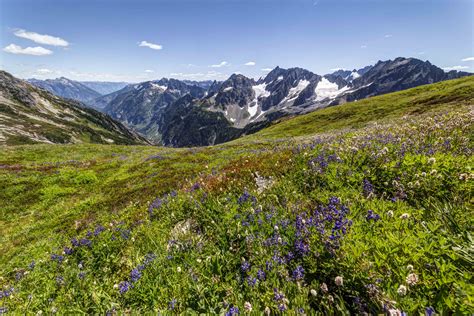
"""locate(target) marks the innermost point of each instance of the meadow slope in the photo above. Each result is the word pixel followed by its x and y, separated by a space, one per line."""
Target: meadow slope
pixel 363 207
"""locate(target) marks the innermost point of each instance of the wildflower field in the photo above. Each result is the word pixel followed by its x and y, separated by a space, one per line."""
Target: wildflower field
pixel 361 208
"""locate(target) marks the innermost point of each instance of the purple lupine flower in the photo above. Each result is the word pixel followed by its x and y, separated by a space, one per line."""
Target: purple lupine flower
pixel 278 296
pixel 233 310
pixel 172 304
pixel 367 187
pixel 81 275
pixel 196 186
pixel 334 201
pixel 124 287
pixel 290 256
pixel 268 265
pixel 6 293
pixel 251 281
pixel 98 230
pixel 371 215
pixel 245 197
pixel 85 242
pixel 261 275
pixel 156 204
pixel 3 310
pixel 429 311
pixel 32 265
pixel 135 275
pixel 57 258
pixel 68 251
pixel 301 247
pixel 245 266
pixel 298 273
pixel 282 307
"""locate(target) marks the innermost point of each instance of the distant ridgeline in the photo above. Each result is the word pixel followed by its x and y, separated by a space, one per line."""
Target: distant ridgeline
pixel 191 113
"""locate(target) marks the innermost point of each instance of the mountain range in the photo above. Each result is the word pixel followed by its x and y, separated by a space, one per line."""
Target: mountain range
pixel 191 113
pixel 32 115
pixel 83 91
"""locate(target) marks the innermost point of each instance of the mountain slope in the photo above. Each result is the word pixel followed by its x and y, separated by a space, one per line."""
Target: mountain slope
pixel 369 220
pixel 67 88
pixel 32 115
pixel 140 104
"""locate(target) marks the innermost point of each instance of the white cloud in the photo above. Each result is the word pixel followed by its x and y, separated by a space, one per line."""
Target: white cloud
pixel 250 63
pixel 44 71
pixel 388 35
pixel 35 51
pixel 150 45
pixel 468 59
pixel 199 75
pixel 41 38
pixel 267 69
pixel 149 71
pixel 221 64
pixel 455 68
pixel 76 75
pixel 363 46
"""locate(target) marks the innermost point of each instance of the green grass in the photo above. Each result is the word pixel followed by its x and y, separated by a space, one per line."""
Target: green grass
pixel 203 212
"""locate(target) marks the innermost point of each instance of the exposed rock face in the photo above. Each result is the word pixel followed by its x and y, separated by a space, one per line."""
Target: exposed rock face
pixel 138 105
pixel 33 115
pixel 178 113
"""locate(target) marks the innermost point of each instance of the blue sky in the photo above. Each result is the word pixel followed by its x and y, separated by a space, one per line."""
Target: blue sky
pixel 138 40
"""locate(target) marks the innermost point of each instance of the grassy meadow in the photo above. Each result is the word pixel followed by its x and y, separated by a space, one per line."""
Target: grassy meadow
pixel 360 208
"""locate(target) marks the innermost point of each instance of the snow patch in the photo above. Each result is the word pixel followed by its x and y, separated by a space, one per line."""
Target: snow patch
pixel 354 75
pixel 302 84
pixel 260 91
pixel 295 91
pixel 228 89
pixel 157 86
pixel 326 89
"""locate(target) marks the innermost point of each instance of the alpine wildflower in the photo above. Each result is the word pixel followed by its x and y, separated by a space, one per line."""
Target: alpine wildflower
pixel 234 310
pixel 402 290
pixel 339 281
pixel 324 288
pixel 248 307
pixel 412 279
